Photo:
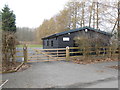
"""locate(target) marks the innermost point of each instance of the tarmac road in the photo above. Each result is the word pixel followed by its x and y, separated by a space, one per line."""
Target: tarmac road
pixel 61 74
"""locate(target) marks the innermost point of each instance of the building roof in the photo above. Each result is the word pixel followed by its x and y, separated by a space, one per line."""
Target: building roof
pixel 77 29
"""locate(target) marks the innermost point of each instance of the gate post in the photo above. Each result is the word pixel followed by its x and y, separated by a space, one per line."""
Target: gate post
pixel 25 53
pixel 67 53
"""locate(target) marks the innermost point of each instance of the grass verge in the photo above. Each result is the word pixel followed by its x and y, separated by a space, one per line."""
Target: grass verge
pixel 34 45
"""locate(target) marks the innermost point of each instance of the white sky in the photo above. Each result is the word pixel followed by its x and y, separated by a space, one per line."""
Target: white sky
pixel 31 13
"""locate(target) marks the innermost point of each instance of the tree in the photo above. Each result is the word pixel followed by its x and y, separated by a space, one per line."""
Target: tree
pixel 8 20
pixel 8 37
pixel 80 13
pixel 84 42
pixel 74 10
pixel 56 24
pixel 25 34
pixel 119 23
pixel 0 38
pixel 63 21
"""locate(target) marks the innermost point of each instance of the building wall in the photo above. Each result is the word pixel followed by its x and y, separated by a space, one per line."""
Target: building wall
pixel 91 34
pixel 70 43
pixel 59 43
pixel 55 43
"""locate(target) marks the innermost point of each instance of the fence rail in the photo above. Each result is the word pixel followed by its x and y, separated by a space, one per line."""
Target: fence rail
pixel 66 53
pixel 93 51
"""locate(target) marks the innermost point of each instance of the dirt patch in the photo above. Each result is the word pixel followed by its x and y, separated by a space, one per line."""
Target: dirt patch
pixel 12 67
pixel 91 61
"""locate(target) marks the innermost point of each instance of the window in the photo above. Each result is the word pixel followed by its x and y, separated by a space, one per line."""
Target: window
pixel 52 43
pixel 47 43
pixel 66 39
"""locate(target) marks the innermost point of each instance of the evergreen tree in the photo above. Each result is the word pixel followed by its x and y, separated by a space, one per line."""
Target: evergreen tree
pixel 8 19
pixel 8 37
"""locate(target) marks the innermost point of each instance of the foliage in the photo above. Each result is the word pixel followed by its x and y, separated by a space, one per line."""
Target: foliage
pixel 8 19
pixel 0 28
pixel 82 41
pixel 87 41
pixel 25 34
pixel 78 14
pixel 8 48
pixel 40 46
pixel 114 43
pixel 8 37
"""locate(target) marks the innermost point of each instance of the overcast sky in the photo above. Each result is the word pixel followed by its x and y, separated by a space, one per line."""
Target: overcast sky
pixel 31 13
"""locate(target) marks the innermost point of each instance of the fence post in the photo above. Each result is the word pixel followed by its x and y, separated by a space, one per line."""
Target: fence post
pixel 67 53
pixel 97 50
pixel 57 54
pixel 84 52
pixel 25 53
pixel 109 52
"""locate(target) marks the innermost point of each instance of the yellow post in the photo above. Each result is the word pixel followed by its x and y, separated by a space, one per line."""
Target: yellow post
pixel 67 53
pixel 57 54
pixel 25 53
pixel 97 50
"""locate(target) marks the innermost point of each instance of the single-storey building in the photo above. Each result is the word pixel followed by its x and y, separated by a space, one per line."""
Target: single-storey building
pixel 66 38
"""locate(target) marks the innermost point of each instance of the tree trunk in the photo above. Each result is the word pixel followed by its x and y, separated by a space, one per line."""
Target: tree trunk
pixel 90 15
pixel 97 17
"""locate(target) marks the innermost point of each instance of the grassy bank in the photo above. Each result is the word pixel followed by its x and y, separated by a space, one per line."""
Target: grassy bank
pixel 34 45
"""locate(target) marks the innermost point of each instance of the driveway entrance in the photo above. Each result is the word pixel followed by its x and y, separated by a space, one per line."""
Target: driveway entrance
pixel 64 75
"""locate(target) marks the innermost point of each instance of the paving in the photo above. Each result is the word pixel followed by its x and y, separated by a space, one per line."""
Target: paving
pixel 62 74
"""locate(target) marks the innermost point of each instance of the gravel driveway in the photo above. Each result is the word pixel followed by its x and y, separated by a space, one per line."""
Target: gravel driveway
pixel 61 74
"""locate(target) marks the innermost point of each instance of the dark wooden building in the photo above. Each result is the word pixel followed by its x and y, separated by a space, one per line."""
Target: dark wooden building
pixel 66 38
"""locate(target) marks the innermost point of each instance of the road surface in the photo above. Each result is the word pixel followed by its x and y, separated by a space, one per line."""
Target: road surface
pixel 61 74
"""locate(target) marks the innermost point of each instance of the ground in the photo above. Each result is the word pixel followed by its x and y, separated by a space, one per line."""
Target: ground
pixel 62 74
pixel 12 66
